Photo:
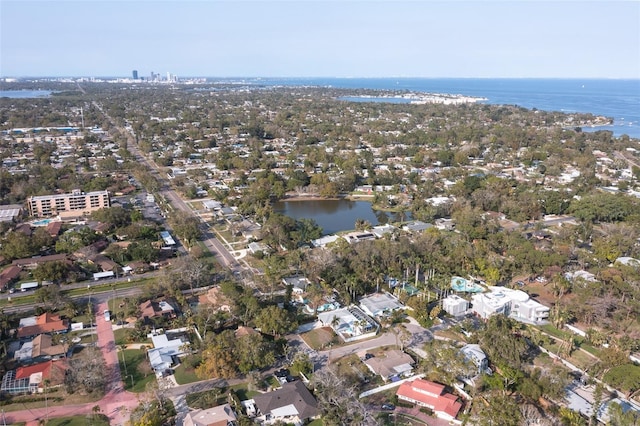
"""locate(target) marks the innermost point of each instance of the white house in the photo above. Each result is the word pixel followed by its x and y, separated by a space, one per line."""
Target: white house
pixel 455 305
pixel 380 304
pixel 476 355
pixel 161 357
pixel 512 303
pixel 298 284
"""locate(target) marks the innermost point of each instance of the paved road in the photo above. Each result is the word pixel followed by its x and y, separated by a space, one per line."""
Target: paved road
pixel 320 359
pixel 116 404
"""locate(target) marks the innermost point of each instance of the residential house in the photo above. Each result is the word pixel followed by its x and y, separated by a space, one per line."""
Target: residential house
pixel 416 227
pixel 24 228
pixel 475 354
pixel 298 284
pixel 30 379
pixel 324 241
pixel 628 261
pixel 350 323
pixel 150 309
pixel 380 304
pixel 455 305
pixel 358 236
pixel 222 415
pixel 381 230
pixel 445 224
pixel 292 403
pixel 104 263
pixel 43 347
pixel 580 277
pixel 45 323
pixel 33 262
pixel 10 212
pixel 256 247
pixel 391 366
pixel 8 275
pixel 430 395
pixel 53 228
pixel 512 303
pixel 165 351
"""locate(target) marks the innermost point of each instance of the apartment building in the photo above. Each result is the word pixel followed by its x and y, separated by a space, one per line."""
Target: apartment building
pixel 77 203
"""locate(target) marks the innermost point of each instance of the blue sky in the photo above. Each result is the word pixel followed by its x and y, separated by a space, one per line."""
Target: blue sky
pixel 339 38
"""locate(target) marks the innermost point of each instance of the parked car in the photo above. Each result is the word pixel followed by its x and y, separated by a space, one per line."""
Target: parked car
pixel 388 407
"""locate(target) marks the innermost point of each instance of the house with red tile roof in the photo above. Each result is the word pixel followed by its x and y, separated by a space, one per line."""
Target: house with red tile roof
pixel 431 395
pixel 45 323
pixel 30 379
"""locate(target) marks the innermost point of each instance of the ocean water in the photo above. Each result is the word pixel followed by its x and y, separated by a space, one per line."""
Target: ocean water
pixel 618 99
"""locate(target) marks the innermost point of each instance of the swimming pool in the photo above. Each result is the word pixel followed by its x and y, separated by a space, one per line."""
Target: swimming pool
pixel 42 222
pixel 463 284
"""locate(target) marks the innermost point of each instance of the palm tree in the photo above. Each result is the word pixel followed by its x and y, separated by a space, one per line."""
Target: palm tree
pixel 46 384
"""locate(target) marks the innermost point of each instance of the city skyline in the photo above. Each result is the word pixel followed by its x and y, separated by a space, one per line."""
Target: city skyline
pixel 307 38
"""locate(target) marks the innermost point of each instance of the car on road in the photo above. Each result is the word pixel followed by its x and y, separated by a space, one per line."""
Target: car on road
pixel 368 356
pixel 388 407
pixel 520 283
pixel 107 315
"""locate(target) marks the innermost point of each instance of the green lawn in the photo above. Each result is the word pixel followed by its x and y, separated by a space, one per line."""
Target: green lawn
pixel 243 392
pixel 121 335
pixel 316 422
pixel 137 370
pixel 92 419
pixel 207 399
pixel 185 375
pixel 319 338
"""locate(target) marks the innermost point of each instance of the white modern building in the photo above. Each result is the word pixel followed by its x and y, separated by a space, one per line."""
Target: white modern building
pixel 512 303
pixel 455 305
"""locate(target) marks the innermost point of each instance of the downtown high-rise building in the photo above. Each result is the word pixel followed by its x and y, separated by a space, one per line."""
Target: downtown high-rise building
pixel 135 74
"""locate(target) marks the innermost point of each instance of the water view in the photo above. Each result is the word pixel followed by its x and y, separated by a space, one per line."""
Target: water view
pixel 24 94
pixel 335 215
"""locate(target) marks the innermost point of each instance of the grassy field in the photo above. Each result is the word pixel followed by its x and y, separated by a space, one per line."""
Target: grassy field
pixel 92 419
pixel 185 375
pixel 207 399
pixel 137 369
pixel 319 338
pixel 243 392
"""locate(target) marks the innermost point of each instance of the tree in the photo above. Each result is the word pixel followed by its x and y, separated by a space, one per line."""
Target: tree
pixel 86 372
pixel 568 417
pixel 50 296
pixel 253 352
pixel 217 362
pixel 337 400
pixel 502 342
pixel 501 410
pixel 275 321
pixel 186 227
pixel 51 271
pixel 302 364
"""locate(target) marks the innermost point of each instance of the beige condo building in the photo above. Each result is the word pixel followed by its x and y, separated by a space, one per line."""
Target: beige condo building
pixel 77 203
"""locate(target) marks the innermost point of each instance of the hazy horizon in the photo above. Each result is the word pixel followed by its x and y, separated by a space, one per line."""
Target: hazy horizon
pixel 321 39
